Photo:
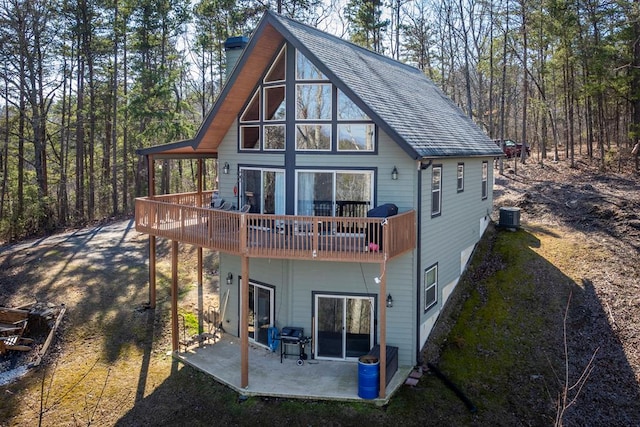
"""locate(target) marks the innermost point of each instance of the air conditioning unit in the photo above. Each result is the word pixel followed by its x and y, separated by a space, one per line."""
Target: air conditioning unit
pixel 510 217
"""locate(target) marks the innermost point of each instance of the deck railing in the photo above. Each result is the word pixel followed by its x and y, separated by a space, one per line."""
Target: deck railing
pixel 181 217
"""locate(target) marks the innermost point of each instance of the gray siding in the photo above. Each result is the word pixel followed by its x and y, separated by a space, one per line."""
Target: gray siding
pixel 445 237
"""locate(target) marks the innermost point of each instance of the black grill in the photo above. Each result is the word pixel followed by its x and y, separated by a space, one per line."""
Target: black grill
pixel 291 335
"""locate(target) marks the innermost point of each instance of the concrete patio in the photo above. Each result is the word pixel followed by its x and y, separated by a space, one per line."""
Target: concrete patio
pixel 315 379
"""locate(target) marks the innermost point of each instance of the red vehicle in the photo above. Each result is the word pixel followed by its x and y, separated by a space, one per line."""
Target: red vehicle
pixel 512 148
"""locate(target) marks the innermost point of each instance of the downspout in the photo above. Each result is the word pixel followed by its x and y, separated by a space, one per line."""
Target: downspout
pixel 421 167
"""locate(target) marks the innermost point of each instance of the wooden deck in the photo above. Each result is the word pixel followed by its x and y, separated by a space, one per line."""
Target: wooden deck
pixel 181 217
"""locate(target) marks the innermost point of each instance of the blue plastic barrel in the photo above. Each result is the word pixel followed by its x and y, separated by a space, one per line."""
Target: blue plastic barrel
pixel 368 377
pixel 273 338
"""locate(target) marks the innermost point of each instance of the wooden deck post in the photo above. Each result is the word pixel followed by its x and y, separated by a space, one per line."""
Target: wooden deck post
pixel 200 266
pixel 200 292
pixel 152 271
pixel 244 323
pixel 244 306
pixel 152 239
pixel 383 328
pixel 174 295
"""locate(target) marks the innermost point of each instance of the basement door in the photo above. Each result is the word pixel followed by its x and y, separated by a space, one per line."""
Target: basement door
pixel 261 306
pixel 343 326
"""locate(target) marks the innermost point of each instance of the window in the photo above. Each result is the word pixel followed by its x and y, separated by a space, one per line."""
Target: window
pixel 325 118
pixel 313 137
pixel 274 137
pixel 274 103
pixel 305 70
pixel 355 130
pixel 485 174
pixel 277 72
pixel 436 190
pixel 250 137
pixel 430 287
pixel 348 110
pixel 313 102
pixel 262 124
pixel 252 112
pixel 460 177
pixel 355 137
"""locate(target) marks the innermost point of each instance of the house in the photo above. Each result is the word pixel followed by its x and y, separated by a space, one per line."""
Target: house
pixel 355 194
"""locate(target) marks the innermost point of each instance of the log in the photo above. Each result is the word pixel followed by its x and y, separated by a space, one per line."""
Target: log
pixel 52 333
pixel 12 315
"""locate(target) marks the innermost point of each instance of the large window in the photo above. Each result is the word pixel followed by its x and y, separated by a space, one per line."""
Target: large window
pixel 326 119
pixel 355 130
pixel 485 179
pixel 430 287
pixel 436 190
pixel 334 193
pixel 262 121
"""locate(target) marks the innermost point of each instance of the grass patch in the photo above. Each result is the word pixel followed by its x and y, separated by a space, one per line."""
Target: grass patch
pixel 501 325
pixel 190 321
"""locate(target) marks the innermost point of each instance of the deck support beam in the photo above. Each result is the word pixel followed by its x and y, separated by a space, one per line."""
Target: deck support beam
pixel 200 292
pixel 174 295
pixel 152 239
pixel 244 323
pixel 244 306
pixel 152 271
pixel 382 301
pixel 200 264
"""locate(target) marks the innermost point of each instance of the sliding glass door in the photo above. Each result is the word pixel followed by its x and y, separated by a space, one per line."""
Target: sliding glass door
pixel 263 190
pixel 344 326
pixel 260 312
pixel 334 193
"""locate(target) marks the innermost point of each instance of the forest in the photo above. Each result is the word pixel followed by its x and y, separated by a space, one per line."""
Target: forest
pixel 86 83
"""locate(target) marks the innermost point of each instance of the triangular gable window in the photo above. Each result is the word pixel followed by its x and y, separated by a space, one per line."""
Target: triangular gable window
pixel 305 70
pixel 252 112
pixel 348 110
pixel 277 71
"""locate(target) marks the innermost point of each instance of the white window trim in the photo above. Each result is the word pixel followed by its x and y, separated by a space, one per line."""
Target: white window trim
pixel 263 139
pixel 256 94
pixel 311 83
pixel 313 123
pixel 439 191
pixel 485 179
pixel 347 123
pixel 264 103
pixel 460 177
pixel 283 51
pixel 335 172
pixel 429 304
pixel 242 190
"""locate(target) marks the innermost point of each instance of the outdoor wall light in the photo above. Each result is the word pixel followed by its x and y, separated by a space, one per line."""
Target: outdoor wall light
pixel 389 301
pixel 229 278
pixel 225 168
pixel 394 173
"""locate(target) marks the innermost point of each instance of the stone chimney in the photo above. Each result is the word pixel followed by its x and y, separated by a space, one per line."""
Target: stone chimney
pixel 233 48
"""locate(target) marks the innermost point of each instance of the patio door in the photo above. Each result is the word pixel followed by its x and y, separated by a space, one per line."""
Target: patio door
pixel 344 326
pixel 260 312
pixel 263 190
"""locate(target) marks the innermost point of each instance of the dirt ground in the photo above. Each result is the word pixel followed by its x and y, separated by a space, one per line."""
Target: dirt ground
pixel 601 212
pixel 110 359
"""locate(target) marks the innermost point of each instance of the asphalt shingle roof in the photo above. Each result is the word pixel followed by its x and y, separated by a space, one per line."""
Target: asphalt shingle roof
pixel 400 98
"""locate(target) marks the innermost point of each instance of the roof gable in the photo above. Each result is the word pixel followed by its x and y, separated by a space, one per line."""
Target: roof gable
pixel 399 98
